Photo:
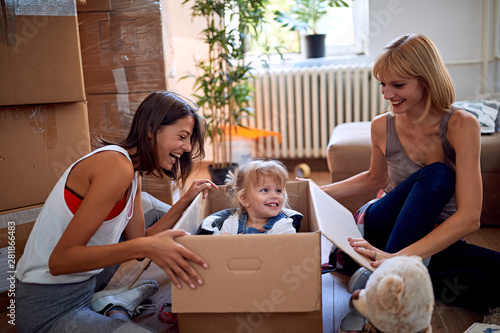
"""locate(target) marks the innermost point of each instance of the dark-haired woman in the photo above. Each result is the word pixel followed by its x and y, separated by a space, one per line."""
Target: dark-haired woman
pixel 97 200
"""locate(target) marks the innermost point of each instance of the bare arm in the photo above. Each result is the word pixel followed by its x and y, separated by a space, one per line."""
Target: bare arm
pixel 373 179
pixel 136 226
pixel 176 211
pixel 464 136
pixel 109 178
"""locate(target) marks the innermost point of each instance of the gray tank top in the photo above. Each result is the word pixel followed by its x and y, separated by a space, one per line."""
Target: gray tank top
pixel 400 166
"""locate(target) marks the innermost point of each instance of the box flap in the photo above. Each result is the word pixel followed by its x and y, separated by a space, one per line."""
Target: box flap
pixel 193 215
pixel 254 273
pixel 298 197
pixel 335 222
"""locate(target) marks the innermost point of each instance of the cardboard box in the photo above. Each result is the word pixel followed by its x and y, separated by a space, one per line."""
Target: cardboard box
pixel 161 189
pixel 15 227
pixel 262 283
pixel 110 115
pixel 38 143
pixel 123 52
pixel 40 60
pixel 117 5
pixel 19 221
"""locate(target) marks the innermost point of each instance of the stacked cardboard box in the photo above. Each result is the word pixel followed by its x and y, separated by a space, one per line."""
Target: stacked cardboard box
pixel 38 143
pixel 43 113
pixel 124 60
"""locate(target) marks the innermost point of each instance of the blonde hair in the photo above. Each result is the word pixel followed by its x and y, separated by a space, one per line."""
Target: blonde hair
pixel 247 177
pixel 416 56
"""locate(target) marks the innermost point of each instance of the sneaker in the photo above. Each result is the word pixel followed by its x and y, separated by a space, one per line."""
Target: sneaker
pixel 353 322
pixel 128 299
pixel 358 279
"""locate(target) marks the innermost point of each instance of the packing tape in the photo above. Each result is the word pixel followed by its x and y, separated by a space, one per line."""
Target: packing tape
pixel 9 9
pixel 120 80
pixel 123 105
pixel 19 216
pixel 45 7
pixel 302 170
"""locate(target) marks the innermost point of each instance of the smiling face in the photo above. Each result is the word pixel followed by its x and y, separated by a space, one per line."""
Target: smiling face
pixel 173 140
pixel 404 94
pixel 264 200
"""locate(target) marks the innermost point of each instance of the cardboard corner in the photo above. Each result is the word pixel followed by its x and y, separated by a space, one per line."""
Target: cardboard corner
pixel 336 223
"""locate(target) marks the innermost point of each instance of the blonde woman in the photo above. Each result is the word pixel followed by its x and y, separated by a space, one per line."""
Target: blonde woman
pixel 425 155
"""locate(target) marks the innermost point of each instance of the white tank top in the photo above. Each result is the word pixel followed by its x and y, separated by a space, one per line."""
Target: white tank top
pixel 33 266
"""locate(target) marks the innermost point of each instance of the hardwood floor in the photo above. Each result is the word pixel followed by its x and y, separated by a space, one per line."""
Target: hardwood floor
pixel 335 298
pixel 446 319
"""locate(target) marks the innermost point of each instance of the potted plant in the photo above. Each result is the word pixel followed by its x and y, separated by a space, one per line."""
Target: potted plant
pixel 222 82
pixel 305 16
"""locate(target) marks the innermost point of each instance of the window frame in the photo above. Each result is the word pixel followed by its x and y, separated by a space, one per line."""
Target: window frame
pixel 333 52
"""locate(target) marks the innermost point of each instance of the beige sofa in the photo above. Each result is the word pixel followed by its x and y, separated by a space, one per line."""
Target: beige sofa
pixel 349 152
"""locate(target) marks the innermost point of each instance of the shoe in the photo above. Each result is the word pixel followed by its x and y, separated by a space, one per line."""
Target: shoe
pixel 327 268
pixel 358 280
pixel 166 315
pixel 128 299
pixel 352 322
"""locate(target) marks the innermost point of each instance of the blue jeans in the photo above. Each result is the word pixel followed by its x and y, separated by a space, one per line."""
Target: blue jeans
pixel 462 274
pixel 410 211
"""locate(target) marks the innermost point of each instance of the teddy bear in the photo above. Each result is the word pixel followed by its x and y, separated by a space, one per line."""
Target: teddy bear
pixel 398 296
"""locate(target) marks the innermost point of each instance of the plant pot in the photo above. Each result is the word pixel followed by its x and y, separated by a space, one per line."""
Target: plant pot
pixel 315 46
pixel 219 174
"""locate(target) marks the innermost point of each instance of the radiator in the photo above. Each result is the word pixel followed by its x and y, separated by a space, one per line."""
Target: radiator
pixel 305 104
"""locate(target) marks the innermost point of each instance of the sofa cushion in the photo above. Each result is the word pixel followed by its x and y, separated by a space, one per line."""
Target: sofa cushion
pixel 490 171
pixel 351 143
pixel 349 153
pixel 490 153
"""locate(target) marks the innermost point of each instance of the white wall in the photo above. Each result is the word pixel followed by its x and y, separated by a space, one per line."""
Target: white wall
pixel 457 29
pixel 455 26
pixel 184 32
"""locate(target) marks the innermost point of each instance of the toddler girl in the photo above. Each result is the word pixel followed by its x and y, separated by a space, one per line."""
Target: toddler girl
pixel 259 188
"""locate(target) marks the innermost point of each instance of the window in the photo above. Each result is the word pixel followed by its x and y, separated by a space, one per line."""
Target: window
pixel 346 30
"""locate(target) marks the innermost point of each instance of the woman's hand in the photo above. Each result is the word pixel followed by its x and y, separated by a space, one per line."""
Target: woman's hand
pixel 199 185
pixel 174 214
pixel 364 248
pixel 173 258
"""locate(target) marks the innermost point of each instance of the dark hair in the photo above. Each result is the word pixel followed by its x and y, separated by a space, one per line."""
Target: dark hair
pixel 159 109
